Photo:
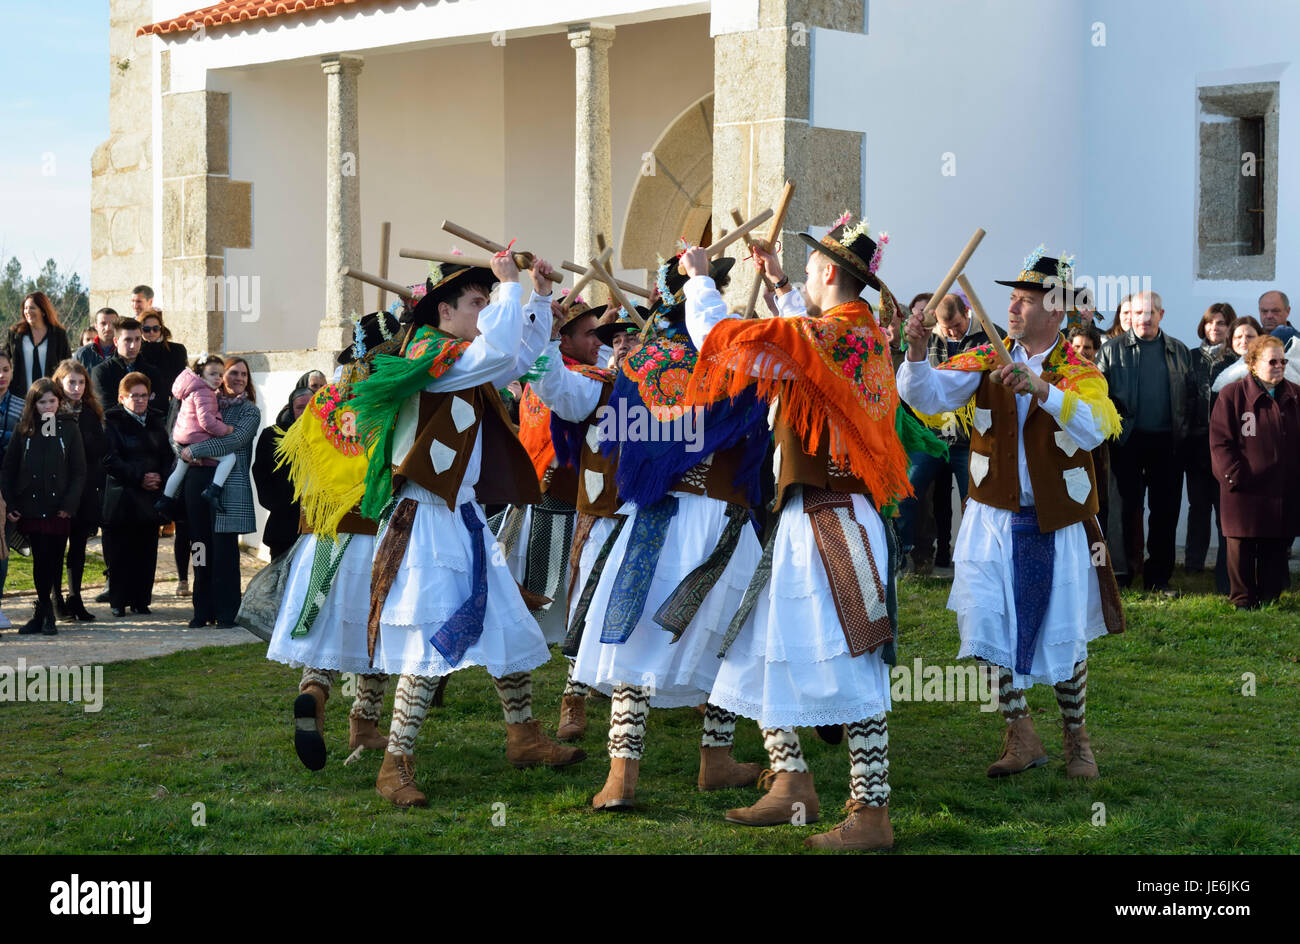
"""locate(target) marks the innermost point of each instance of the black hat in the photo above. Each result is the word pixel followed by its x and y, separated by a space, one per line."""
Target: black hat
pixel 671 302
pixel 444 281
pixel 369 333
pixel 1043 272
pixel 851 247
pixel 612 323
pixel 578 310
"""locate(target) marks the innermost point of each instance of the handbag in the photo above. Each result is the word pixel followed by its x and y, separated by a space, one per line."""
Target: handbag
pixel 262 600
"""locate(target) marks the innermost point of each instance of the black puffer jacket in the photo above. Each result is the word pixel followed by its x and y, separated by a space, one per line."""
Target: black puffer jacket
pixel 44 475
pixel 94 442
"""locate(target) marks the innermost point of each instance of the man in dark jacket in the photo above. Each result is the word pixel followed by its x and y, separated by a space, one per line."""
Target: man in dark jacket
pixel 1151 383
pixel 101 349
pixel 128 340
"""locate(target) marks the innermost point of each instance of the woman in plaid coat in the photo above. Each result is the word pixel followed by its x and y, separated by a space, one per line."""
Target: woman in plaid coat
pixel 214 536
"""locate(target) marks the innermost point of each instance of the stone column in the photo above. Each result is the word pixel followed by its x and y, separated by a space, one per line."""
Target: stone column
pixel 593 209
pixel 342 200
pixel 763 135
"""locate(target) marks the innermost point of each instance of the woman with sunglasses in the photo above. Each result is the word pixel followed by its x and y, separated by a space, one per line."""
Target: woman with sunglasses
pixel 1255 447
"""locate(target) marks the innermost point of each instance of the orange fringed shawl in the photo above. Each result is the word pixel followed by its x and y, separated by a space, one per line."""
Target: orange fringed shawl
pixel 535 420
pixel 833 372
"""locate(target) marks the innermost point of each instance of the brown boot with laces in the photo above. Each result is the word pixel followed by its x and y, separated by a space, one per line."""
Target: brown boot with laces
pixel 527 746
pixel 1021 749
pixel 364 733
pixel 867 827
pixel 396 781
pixel 720 771
pixel 1079 762
pixel 791 798
pixel 573 718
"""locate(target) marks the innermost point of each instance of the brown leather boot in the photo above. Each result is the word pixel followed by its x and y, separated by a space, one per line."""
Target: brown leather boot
pixel 364 733
pixel 527 746
pixel 867 827
pixel 720 771
pixel 396 781
pixel 309 726
pixel 573 718
pixel 790 798
pixel 619 793
pixel 1021 749
pixel 1079 762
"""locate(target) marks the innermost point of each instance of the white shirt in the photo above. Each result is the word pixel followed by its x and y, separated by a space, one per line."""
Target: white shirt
pixel 932 391
pixel 510 338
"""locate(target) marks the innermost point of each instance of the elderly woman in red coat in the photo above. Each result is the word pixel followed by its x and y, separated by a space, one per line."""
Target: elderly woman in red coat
pixel 1255 451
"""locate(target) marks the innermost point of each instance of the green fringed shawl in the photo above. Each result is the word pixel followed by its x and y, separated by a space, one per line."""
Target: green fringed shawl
pixel 379 397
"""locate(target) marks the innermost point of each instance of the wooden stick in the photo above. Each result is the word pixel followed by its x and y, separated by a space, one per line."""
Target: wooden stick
pixel 731 237
pixel 955 271
pixel 762 278
pixel 628 287
pixel 446 257
pixel 614 290
pixel 600 241
pixel 524 260
pixel 401 291
pixel 587 274
pixel 385 231
pixel 773 234
pixel 994 338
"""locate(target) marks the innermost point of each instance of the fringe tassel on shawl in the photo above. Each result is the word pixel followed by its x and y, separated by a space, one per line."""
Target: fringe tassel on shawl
pixel 327 482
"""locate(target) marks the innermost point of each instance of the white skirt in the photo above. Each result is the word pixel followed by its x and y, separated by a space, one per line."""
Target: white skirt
pixel 599 534
pixel 790 665
pixel 681 673
pixel 984 601
pixel 433 581
pixel 337 639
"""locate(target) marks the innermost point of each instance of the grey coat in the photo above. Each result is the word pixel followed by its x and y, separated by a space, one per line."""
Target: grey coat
pixel 240 516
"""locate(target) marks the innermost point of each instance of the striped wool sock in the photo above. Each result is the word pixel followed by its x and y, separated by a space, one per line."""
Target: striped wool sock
pixel 1010 699
pixel 571 687
pixel 783 750
pixel 869 760
pixel 516 694
pixel 1072 695
pixel 629 706
pixel 719 727
pixel 369 702
pixel 322 677
pixel 410 705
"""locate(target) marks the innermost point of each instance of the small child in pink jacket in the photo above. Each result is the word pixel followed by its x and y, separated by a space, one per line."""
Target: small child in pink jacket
pixel 198 420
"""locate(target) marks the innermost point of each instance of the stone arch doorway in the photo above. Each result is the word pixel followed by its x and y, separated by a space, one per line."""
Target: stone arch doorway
pixel 676 199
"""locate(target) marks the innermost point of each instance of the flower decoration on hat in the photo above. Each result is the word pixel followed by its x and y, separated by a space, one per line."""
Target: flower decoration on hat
pixel 1031 260
pixel 435 272
pixel 358 338
pixel 1065 268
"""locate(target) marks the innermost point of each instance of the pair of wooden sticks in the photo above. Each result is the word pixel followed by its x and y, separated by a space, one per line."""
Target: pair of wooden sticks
pixel 956 274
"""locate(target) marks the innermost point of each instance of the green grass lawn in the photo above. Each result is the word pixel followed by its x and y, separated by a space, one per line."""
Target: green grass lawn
pixel 1189 763
pixel 20 573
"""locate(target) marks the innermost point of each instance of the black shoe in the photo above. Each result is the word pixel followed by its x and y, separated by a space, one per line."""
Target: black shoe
pixel 943 560
pixel 830 733
pixel 61 608
pixel 33 625
pixel 196 623
pixel 119 611
pixel 78 609
pixel 142 610
pixel 165 508
pixel 225 624
pixel 306 739
pixel 213 494
pixel 103 597
pixel 47 626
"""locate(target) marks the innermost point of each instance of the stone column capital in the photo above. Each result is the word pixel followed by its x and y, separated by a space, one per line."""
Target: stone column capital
pixel 341 64
pixel 582 35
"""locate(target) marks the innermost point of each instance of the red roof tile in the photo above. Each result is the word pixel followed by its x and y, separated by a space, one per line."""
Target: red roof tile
pixel 239 11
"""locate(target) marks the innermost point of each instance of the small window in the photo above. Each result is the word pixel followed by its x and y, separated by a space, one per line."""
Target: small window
pixel 1237 181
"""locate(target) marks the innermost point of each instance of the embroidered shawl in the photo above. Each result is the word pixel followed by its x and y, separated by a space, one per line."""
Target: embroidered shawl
pixel 535 422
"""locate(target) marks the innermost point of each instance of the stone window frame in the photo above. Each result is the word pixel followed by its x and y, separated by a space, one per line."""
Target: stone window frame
pixel 1237 100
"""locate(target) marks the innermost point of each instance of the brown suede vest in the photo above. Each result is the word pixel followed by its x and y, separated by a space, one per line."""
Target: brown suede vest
pixel 352 523
pixel 506 475
pixel 597 473
pixel 797 467
pixel 715 477
pixel 561 482
pixel 1046 457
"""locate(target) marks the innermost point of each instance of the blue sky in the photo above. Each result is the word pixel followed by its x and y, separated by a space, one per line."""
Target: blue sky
pixel 54 72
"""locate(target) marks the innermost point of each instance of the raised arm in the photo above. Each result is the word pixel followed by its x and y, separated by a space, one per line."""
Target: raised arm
pixel 570 395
